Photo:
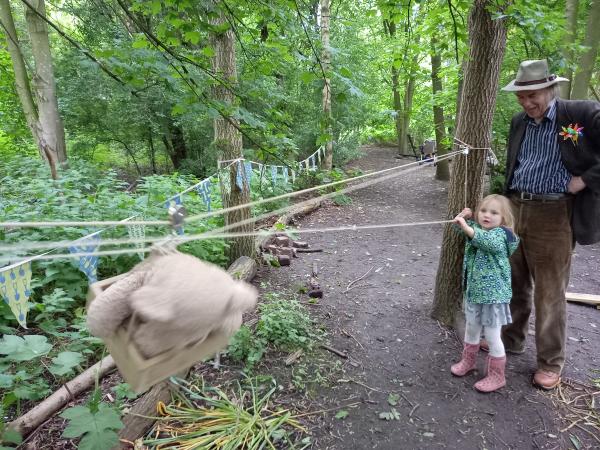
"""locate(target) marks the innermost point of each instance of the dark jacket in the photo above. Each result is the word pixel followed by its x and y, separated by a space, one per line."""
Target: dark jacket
pixel 581 160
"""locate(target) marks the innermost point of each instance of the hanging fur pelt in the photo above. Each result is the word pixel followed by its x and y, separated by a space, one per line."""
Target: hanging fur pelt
pixel 175 300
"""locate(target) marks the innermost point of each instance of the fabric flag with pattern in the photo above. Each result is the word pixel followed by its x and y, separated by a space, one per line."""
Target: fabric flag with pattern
pixel 312 163
pixel 249 173
pixel 319 154
pixel 239 178
pixel 137 232
pixel 274 174
pixel 204 190
pixel 88 264
pixel 285 175
pixel 15 288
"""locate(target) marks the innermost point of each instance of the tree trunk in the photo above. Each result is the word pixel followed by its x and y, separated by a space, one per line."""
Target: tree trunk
pixel 175 144
pixel 571 9
pixel 228 140
pixel 585 68
pixel 21 78
pixel 52 132
pixel 326 62
pixel 152 151
pixel 487 39
pixel 442 171
pixel 390 27
pixel 409 91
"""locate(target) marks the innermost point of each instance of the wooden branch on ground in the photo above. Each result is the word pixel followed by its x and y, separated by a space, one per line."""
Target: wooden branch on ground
pixel 589 299
pixel 29 421
pixel 140 419
pixel 340 353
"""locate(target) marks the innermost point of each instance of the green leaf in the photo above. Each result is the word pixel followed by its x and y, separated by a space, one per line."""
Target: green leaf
pixel 393 399
pixel 11 436
pixel 341 414
pixel 207 51
pixel 24 348
pixel 97 430
pixel 6 380
pixel 193 36
pixel 65 362
pixel 391 415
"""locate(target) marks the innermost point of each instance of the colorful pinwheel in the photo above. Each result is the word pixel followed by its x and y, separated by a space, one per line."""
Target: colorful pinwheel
pixel 571 132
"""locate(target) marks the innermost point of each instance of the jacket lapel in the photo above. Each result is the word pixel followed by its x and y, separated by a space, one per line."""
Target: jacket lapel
pixel 515 145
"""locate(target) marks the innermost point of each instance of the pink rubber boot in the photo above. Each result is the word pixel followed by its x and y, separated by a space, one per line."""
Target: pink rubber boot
pixel 494 379
pixel 467 363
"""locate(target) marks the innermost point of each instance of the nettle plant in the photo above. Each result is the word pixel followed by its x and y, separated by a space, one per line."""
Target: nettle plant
pixel 284 325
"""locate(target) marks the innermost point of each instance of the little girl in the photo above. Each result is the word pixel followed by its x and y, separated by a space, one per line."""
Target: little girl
pixel 486 286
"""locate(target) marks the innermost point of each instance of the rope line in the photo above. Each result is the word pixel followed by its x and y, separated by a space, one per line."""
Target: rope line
pixel 217 233
pixel 205 236
pixel 207 214
pixel 38 245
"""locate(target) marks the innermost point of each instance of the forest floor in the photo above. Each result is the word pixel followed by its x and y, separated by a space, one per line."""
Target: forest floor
pixel 397 358
pixel 396 352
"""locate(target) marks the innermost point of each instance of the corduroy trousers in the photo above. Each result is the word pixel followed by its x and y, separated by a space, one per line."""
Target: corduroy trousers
pixel 540 276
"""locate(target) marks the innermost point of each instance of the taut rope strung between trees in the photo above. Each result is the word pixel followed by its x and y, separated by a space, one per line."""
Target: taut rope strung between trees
pixel 218 233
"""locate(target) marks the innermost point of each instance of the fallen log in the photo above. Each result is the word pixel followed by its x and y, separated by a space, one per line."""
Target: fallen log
pixel 140 417
pixel 29 421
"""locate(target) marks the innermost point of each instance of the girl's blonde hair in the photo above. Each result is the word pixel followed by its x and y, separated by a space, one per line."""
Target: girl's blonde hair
pixel 508 219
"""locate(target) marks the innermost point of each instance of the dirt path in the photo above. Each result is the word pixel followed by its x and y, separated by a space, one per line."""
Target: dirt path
pixel 395 348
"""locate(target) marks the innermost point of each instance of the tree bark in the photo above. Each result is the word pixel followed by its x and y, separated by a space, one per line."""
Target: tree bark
pixel 487 39
pixel 585 68
pixel 175 144
pixel 228 140
pixel 389 26
pixel 326 62
pixel 52 135
pixel 571 10
pixel 442 171
pixel 20 71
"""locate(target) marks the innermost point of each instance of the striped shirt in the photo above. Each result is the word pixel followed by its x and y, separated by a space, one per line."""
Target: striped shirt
pixel 539 166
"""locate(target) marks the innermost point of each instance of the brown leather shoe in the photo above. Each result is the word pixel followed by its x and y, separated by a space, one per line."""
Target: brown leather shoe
pixel 546 380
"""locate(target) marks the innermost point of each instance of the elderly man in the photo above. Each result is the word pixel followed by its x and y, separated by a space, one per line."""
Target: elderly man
pixel 553 181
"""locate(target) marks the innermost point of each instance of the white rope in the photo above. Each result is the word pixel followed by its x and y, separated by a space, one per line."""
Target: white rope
pixel 207 214
pixel 205 236
pixel 210 234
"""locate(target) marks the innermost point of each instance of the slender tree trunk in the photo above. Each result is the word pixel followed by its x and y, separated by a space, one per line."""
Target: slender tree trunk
pixel 571 10
pixel 152 151
pixel 409 92
pixel 442 171
pixel 175 144
pixel 487 39
pixel 228 139
pixel 326 62
pixel 585 68
pixel 52 133
pixel 20 70
pixel 389 26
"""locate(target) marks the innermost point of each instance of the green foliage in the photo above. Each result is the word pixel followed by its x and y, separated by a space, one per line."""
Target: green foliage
pixel 284 325
pixel 97 429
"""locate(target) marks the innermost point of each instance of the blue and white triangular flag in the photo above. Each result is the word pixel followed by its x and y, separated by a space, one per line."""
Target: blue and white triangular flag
pixel 176 200
pixel 137 231
pixel 88 264
pixel 204 190
pixel 274 174
pixel 285 174
pixel 15 289
pixel 249 173
pixel 313 163
pixel 239 177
